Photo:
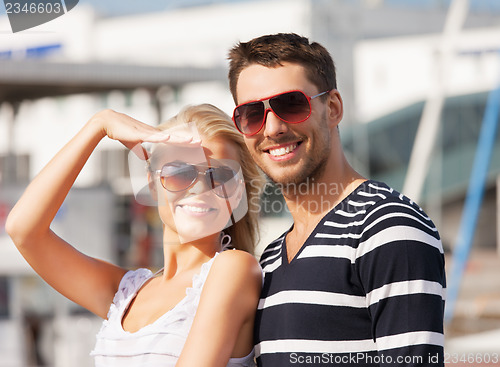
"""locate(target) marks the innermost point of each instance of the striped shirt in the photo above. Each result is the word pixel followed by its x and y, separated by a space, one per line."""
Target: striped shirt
pixel 367 288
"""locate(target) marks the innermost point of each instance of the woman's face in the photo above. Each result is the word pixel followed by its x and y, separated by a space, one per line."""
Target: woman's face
pixel 191 202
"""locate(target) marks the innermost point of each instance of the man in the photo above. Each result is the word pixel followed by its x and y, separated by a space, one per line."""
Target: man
pixel 359 278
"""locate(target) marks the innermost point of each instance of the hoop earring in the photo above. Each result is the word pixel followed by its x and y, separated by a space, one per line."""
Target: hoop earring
pixel 225 242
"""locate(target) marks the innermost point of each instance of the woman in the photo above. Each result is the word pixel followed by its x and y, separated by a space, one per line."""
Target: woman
pixel 199 310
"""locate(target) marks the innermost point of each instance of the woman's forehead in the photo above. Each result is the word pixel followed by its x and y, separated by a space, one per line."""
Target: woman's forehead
pixel 164 153
pixel 220 148
pixel 212 149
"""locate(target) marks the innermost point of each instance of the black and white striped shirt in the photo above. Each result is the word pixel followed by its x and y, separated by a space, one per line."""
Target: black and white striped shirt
pixel 366 288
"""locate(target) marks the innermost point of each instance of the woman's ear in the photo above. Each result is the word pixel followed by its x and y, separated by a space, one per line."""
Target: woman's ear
pixel 238 201
pixel 238 195
pixel 237 204
pixel 241 190
pixel 152 186
pixel 335 108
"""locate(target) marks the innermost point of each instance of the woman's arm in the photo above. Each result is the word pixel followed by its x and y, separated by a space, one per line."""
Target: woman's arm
pixel 87 281
pixel 223 325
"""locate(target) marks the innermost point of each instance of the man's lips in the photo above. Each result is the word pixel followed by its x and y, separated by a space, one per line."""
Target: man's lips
pixel 282 149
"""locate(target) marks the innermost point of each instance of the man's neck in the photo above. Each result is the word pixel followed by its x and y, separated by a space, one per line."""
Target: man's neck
pixel 309 203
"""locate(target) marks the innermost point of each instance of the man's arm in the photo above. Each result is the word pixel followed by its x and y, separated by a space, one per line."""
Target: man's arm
pixel 400 262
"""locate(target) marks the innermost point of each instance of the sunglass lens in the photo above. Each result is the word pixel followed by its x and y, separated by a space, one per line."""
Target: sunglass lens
pixel 222 180
pixel 249 117
pixel 291 107
pixel 178 177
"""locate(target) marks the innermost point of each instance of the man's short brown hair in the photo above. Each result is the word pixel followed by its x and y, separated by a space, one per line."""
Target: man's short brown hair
pixel 274 50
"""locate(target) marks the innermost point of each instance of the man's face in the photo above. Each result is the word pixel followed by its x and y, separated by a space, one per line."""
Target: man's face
pixel 288 153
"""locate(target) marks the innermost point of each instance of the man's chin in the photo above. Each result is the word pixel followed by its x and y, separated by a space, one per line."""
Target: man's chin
pixel 297 175
pixel 285 179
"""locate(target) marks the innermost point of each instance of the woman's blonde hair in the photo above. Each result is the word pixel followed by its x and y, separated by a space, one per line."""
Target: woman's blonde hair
pixel 212 122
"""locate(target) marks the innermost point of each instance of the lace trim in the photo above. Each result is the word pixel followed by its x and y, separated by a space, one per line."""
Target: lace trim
pixel 132 281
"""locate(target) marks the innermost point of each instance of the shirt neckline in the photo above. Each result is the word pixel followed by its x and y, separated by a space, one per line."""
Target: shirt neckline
pixel 284 254
pixel 132 296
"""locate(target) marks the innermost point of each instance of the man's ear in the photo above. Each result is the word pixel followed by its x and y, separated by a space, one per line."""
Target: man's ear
pixel 335 108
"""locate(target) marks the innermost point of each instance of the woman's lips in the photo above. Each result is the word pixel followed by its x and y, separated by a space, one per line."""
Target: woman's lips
pixel 195 209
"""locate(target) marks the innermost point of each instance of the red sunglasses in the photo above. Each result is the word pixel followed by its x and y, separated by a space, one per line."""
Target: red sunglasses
pixel 291 107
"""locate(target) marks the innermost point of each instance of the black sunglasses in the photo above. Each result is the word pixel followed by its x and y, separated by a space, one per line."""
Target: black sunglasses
pixel 292 107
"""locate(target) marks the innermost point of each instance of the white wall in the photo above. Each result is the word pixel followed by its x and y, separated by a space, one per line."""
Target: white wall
pixel 390 74
pixel 199 36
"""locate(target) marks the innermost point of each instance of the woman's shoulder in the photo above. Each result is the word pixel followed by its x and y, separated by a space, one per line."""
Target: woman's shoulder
pixel 131 281
pixel 237 267
pixel 238 261
pixel 233 283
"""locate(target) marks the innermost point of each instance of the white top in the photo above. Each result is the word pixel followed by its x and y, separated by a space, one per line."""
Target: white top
pixel 157 344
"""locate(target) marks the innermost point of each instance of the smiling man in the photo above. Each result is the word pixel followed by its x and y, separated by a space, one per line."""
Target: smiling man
pixel 359 277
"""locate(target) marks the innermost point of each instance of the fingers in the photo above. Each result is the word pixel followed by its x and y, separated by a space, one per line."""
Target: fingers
pixel 135 135
pixel 142 150
pixel 164 137
pixel 184 140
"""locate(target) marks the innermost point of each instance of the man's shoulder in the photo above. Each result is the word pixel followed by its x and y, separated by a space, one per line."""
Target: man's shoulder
pixel 390 201
pixel 390 215
pixel 373 196
pixel 374 206
pixel 373 192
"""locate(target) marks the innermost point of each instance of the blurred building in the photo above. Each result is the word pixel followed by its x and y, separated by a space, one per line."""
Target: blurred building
pixel 148 65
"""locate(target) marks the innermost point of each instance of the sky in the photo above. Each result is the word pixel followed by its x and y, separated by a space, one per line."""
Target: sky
pixel 122 7
pixel 125 7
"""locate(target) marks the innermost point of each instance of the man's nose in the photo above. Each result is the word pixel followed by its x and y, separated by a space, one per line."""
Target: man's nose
pixel 273 125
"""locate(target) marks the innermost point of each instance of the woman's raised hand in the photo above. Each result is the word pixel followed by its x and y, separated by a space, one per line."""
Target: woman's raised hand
pixel 132 133
pixel 85 280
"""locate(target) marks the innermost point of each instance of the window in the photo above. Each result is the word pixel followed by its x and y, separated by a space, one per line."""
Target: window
pixel 14 169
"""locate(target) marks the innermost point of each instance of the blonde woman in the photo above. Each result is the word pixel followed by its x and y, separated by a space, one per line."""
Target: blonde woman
pixel 199 310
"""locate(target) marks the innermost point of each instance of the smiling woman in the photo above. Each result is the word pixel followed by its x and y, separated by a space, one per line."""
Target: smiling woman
pixel 198 189
pixel 199 207
pixel 223 145
pixel 200 309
